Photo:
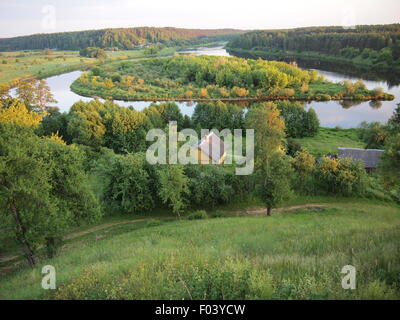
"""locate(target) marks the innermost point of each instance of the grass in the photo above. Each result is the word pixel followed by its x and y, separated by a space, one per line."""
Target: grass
pixel 27 64
pixel 292 255
pixel 328 140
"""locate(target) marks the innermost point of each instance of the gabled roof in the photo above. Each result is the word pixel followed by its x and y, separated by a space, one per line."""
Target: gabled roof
pixel 369 157
pixel 212 146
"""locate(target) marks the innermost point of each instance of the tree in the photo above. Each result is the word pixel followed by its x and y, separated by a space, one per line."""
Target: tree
pixel 43 188
pixel 394 121
pixel 389 165
pixel 4 91
pixel 76 203
pixel 274 181
pixel 173 187
pixel 35 93
pixel 272 169
pixel 44 95
pixel 311 123
pixel 373 134
pixel 85 124
pixel 127 183
pixel 25 187
pixel 15 112
pixel 93 52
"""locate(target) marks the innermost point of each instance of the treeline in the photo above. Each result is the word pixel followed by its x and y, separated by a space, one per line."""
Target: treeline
pixel 377 43
pixel 121 38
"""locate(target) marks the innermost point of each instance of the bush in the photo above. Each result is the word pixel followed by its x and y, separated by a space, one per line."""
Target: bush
pixel 217 214
pixel 340 177
pixel 198 215
pixel 292 147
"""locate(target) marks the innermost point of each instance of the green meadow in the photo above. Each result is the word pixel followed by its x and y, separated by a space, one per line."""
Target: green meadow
pixel 295 254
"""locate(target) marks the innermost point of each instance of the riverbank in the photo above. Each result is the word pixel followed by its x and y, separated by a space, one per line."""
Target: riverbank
pixel 364 65
pixel 18 66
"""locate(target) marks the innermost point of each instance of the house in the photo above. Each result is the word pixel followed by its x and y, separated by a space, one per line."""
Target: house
pixel 211 149
pixel 370 157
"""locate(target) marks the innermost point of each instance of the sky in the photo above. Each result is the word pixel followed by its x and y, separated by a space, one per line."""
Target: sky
pixel 23 17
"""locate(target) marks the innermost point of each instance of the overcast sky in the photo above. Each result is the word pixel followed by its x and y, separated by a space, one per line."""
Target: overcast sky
pixel 22 17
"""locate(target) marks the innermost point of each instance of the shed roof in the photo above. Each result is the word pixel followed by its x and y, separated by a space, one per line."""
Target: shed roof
pixel 212 146
pixel 369 157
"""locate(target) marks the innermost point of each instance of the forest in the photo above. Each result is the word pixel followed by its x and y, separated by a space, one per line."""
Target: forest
pixel 121 38
pixel 209 77
pixel 377 46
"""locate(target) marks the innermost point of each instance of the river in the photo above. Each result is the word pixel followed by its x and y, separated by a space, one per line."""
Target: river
pixel 331 113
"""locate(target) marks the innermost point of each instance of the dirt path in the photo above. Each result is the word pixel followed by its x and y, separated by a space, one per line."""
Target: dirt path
pixel 256 211
pixel 111 224
pixel 263 210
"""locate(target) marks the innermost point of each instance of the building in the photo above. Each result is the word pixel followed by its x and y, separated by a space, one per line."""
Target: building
pixel 369 157
pixel 211 149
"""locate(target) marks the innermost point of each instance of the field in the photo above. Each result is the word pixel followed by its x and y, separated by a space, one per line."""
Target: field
pixel 230 258
pixel 27 64
pixel 328 140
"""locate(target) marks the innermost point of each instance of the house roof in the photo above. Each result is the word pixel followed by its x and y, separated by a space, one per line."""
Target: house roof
pixel 369 157
pixel 212 146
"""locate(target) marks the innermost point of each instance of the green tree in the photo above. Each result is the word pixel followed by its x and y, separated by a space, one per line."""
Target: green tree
pixel 273 179
pixel 272 169
pixel 25 188
pixel 394 121
pixel 389 165
pixel 173 187
pixel 43 188
pixel 127 183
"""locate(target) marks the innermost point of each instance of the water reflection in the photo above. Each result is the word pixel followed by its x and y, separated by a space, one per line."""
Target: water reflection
pixel 345 114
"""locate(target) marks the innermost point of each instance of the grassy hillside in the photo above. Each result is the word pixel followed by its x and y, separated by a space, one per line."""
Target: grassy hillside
pixel 294 254
pixel 328 140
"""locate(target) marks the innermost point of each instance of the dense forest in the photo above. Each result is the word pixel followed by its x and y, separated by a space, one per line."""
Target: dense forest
pixel 377 45
pixel 209 77
pixel 121 38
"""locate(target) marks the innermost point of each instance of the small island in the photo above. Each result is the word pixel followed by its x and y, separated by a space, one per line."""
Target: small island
pixel 199 78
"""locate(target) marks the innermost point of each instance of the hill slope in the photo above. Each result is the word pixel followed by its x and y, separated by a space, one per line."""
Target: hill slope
pixel 292 255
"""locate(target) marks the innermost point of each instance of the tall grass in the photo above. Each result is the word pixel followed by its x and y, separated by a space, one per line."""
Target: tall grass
pixel 292 255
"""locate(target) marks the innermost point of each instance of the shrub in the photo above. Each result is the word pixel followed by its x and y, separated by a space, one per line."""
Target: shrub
pixel 292 147
pixel 340 177
pixel 217 214
pixel 198 215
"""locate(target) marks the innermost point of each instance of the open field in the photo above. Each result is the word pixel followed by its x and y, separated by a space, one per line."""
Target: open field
pixel 328 140
pixel 296 254
pixel 27 64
